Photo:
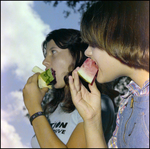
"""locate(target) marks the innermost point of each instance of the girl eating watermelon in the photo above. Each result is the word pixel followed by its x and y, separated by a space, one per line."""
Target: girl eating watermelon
pixel 56 122
pixel 118 36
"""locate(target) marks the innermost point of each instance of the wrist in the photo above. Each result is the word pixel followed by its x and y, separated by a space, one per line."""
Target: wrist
pixel 94 133
pixel 94 122
pixel 35 110
pixel 40 113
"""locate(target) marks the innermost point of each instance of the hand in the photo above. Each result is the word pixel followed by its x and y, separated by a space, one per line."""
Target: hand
pixel 33 95
pixel 87 103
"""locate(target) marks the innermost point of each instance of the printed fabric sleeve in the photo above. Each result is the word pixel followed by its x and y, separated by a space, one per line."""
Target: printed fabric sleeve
pixel 113 140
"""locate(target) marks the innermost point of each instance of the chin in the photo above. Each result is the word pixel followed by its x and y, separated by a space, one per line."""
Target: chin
pixel 57 86
pixel 101 80
pixel 105 80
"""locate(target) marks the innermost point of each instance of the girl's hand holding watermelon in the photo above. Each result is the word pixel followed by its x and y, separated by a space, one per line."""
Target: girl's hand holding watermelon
pixel 87 103
pixel 33 95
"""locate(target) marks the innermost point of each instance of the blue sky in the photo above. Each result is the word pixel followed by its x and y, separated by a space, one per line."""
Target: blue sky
pixel 24 25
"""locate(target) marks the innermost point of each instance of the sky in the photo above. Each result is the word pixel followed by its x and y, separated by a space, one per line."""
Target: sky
pixel 24 25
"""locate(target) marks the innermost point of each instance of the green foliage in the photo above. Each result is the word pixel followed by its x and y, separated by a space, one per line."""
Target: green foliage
pixel 76 6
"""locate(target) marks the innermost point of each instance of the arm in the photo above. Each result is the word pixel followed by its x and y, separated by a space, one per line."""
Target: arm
pixel 48 139
pixel 89 106
pixel 77 139
pixel 44 133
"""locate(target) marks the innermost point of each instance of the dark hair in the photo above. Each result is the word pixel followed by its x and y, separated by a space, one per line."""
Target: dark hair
pixel 65 39
pixel 121 28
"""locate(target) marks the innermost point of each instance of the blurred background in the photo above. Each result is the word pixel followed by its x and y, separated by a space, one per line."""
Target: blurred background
pixel 24 25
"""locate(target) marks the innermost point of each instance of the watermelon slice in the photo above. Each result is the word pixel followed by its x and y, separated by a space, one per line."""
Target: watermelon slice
pixel 45 79
pixel 47 76
pixel 88 70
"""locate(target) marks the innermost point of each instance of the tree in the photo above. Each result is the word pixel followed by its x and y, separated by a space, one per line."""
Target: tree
pixel 84 5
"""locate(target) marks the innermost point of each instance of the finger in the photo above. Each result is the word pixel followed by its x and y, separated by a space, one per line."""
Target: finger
pixel 74 71
pixel 77 68
pixel 72 87
pixel 35 77
pixel 29 80
pixel 44 90
pixel 76 81
pixel 93 88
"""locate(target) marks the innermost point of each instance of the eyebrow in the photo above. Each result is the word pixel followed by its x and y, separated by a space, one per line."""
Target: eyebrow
pixel 52 48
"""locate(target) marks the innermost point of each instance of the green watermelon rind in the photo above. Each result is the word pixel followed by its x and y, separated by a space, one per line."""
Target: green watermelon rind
pixel 41 82
pixel 47 76
pixel 83 75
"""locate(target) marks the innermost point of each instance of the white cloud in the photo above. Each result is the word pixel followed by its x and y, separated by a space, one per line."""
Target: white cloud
pixel 9 137
pixel 15 104
pixel 13 113
pixel 22 32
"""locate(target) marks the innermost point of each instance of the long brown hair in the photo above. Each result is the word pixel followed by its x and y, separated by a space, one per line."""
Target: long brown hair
pixel 121 28
pixel 65 39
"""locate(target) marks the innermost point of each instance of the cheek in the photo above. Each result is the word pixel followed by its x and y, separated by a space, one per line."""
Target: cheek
pixel 62 69
pixel 66 61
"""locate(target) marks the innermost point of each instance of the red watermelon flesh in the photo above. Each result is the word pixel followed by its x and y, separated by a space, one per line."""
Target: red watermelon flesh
pixel 88 70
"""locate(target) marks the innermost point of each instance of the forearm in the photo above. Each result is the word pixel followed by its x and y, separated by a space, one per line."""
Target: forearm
pixel 33 96
pixel 44 133
pixel 94 134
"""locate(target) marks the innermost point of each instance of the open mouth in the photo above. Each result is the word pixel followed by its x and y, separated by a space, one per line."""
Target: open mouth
pixel 54 75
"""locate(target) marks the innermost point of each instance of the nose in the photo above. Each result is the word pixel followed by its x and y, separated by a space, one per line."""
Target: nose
pixel 88 52
pixel 46 62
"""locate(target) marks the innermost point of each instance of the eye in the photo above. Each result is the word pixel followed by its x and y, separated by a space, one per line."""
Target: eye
pixel 54 51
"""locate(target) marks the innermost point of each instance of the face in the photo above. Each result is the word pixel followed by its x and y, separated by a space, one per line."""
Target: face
pixel 59 60
pixel 109 67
